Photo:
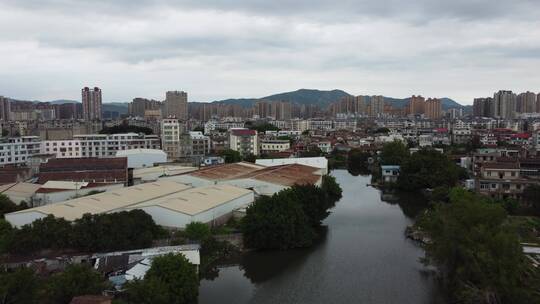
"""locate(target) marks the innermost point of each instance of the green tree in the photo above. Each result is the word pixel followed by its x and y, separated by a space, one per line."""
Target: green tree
pixel 357 161
pixel 314 201
pixel 394 153
pixel 331 188
pixel 7 206
pixel 230 156
pixel 75 280
pixel 20 286
pixel 427 168
pixel 197 231
pixel 277 222
pixel 170 280
pixel 6 234
pixel 478 255
pixel 531 196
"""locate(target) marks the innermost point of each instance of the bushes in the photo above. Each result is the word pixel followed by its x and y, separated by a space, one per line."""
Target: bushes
pixel 22 285
pixel 197 231
pixel 478 254
pixel 289 218
pixel 99 232
pixel 171 279
pixel 427 169
pixel 7 206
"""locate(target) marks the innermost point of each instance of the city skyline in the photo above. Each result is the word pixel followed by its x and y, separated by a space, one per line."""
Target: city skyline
pixel 251 49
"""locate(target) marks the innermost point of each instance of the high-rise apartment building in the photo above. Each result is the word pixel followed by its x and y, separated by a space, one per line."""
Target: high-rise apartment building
pixel 5 108
pixel 176 105
pixel 91 102
pixel 139 107
pixel 482 107
pixel 416 105
pixel 526 102
pixel 504 105
pixel 433 108
pixel 376 105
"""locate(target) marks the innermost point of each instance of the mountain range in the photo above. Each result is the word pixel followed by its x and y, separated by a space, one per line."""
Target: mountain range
pixel 325 98
pixel 303 97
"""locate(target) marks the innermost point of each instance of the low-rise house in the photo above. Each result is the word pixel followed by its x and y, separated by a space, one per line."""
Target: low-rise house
pixel 501 180
pixel 390 173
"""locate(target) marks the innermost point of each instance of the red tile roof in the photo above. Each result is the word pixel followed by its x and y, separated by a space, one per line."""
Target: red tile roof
pixel 243 132
pixel 98 170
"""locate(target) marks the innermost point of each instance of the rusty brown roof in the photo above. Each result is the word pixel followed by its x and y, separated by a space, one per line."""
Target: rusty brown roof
pixel 286 175
pixel 226 171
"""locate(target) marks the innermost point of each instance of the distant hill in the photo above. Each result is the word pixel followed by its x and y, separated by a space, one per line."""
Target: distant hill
pixel 324 98
pixel 302 97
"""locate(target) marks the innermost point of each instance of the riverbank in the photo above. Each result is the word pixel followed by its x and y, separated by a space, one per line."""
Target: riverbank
pixel 361 256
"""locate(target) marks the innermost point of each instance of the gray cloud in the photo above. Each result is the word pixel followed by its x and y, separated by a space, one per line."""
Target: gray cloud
pixel 217 49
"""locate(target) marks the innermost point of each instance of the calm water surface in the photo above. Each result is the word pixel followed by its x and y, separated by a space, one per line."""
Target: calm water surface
pixel 362 258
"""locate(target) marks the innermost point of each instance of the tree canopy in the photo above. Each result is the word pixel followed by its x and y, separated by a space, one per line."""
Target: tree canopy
pixel 75 280
pixel 230 156
pixel 394 153
pixel 20 286
pixel 531 196
pixel 170 280
pixel 116 231
pixel 479 256
pixel 428 168
pixel 289 218
pixel 125 128
pixel 8 206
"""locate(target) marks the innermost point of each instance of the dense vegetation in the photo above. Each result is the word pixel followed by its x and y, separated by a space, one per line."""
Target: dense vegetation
pixel 394 153
pixel 170 280
pixel 23 286
pixel 125 128
pixel 230 156
pixel 477 252
pixel 428 168
pixel 357 162
pixel 289 218
pixel 91 233
pixel 7 206
pixel 262 127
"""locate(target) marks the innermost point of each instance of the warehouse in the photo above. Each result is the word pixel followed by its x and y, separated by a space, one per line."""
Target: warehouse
pixel 211 204
pixel 111 201
pixel 142 158
pixel 317 162
pixel 262 180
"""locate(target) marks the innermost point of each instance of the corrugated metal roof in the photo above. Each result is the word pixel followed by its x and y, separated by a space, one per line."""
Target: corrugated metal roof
pixel 109 201
pixel 226 171
pixel 64 185
pixel 196 200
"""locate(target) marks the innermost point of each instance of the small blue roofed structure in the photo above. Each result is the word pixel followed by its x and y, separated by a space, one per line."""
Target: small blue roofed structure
pixel 390 173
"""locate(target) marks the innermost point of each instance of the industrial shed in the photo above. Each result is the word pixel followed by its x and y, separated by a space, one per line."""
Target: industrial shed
pixel 142 158
pixel 211 204
pixel 111 201
pixel 262 180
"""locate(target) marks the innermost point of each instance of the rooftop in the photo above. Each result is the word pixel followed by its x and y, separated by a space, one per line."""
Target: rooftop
pixel 286 175
pixel 123 153
pixel 196 200
pixel 108 201
pixel 503 165
pixel 226 171
pixel 243 132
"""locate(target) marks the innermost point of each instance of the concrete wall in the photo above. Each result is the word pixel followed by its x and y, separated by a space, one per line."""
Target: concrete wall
pixel 41 199
pixel 174 219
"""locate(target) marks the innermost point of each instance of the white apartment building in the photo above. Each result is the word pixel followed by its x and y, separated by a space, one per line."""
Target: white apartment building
pixel 325 125
pixel 244 141
pixel 98 145
pixel 272 146
pixel 213 125
pixel 17 150
pixel 200 144
pixel 171 129
pixel 299 125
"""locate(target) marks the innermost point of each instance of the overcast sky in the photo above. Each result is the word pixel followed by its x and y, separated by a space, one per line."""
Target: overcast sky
pixel 50 49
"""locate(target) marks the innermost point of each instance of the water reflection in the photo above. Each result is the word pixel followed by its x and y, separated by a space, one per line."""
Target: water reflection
pixel 363 257
pixel 411 204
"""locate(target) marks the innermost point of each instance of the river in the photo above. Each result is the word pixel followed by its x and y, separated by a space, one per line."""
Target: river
pixel 363 257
